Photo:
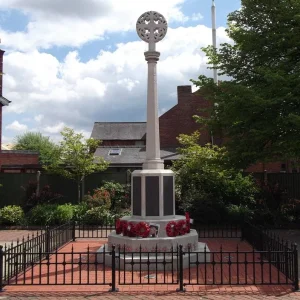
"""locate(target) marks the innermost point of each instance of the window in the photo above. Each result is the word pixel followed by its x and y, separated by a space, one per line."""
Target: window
pixel 115 151
pixel 139 143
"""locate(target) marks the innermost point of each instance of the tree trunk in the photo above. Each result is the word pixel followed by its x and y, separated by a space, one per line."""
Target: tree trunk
pixel 82 188
pixel 78 191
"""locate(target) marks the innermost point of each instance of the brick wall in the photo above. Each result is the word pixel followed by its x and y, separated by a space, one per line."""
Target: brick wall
pixel 17 157
pixel 179 119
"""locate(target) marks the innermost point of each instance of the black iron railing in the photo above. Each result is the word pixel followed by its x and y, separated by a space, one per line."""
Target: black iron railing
pixel 92 231
pixel 38 261
pixel 143 267
pixel 57 268
pixel 218 230
pixel 27 251
pixel 175 267
pixel 242 267
pixel 272 248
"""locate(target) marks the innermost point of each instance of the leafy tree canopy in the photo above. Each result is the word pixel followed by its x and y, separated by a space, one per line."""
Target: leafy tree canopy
pixel 257 107
pixel 206 184
pixel 75 158
pixel 35 141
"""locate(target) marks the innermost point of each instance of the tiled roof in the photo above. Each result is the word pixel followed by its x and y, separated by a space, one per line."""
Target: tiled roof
pixel 133 155
pixel 4 101
pixel 119 130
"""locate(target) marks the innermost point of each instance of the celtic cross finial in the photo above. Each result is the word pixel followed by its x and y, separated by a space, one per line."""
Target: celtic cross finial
pixel 151 27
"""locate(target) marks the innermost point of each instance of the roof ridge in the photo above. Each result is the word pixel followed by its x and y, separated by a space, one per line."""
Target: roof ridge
pixel 121 122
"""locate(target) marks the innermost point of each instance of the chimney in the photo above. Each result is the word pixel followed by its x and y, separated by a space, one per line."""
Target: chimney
pixel 183 93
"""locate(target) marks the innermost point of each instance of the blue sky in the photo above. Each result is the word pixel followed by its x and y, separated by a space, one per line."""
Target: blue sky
pixel 71 64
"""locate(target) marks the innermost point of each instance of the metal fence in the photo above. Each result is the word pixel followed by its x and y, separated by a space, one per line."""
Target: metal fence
pixel 277 251
pixel 93 231
pixel 218 231
pixel 175 267
pixel 17 257
pixel 56 268
pixel 38 261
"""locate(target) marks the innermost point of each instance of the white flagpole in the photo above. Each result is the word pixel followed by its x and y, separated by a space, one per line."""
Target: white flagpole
pixel 214 35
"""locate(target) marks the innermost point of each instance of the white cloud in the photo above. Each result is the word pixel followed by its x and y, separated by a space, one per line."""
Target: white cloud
pixel 74 23
pixel 39 118
pixel 128 83
pixel 196 17
pixel 16 126
pixel 54 128
pixel 110 87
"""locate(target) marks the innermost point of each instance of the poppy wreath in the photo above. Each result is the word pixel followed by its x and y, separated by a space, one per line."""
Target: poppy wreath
pixel 171 229
pixel 124 228
pixel 188 222
pixel 119 226
pixel 181 227
pixel 131 232
pixel 142 229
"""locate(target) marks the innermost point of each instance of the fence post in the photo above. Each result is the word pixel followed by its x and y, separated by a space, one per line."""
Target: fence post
pixel 261 240
pixel 242 231
pixel 296 276
pixel 181 288
pixel 1 268
pixel 47 245
pixel 286 259
pixel 113 269
pixel 73 231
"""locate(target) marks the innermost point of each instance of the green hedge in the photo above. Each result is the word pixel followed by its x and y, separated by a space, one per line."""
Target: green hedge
pixel 54 214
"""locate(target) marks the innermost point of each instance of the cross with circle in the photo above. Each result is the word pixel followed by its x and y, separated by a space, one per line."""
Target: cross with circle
pixel 151 27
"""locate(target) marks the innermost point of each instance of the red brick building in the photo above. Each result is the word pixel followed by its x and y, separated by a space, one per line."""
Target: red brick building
pixel 11 160
pixel 123 143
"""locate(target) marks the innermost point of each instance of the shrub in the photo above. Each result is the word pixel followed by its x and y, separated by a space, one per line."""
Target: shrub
pixel 111 195
pixel 79 211
pixel 99 216
pixel 100 197
pixel 43 214
pixel 46 195
pixel 208 186
pixel 239 213
pixel 63 213
pixel 11 215
pixel 119 195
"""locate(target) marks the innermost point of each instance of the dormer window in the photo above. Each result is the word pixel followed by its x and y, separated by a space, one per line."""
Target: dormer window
pixel 115 151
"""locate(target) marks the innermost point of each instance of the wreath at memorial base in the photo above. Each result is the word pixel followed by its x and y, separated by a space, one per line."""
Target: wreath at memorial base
pixel 142 229
pixel 119 226
pixel 181 227
pixel 188 222
pixel 171 229
pixel 187 226
pixel 131 229
pixel 124 228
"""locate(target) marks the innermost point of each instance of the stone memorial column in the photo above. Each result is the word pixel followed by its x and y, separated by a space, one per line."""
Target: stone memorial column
pixel 153 187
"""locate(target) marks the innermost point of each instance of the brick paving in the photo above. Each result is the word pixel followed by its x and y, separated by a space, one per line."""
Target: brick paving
pixel 8 236
pixel 145 292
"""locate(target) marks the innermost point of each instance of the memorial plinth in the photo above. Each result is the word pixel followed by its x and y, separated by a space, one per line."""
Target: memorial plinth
pixel 153 188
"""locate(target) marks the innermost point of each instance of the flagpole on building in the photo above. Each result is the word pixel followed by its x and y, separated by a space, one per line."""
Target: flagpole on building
pixel 214 42
pixel 214 36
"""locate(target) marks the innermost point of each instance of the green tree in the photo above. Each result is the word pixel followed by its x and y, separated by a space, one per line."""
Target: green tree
pixel 74 158
pixel 35 141
pixel 208 186
pixel 257 107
